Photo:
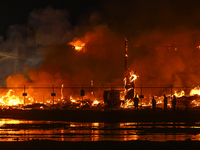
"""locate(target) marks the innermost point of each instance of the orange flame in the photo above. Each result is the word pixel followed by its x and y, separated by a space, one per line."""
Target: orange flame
pixel 95 102
pixel 72 99
pixel 132 77
pixel 195 91
pixel 179 94
pixel 78 44
pixel 12 99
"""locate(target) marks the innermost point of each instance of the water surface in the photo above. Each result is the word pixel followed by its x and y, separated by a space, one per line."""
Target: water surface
pixel 22 130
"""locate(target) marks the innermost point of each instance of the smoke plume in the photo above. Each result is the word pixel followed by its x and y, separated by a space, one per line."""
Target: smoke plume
pixel 163 40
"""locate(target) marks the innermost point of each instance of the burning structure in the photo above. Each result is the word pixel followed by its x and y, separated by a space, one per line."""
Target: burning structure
pixel 63 97
pixel 52 52
pixel 121 97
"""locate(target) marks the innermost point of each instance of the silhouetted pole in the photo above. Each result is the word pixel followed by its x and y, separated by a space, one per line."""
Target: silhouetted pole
pixel 126 55
pixel 24 94
pixel 82 95
pixel 53 94
pixel 141 95
pixel 171 92
pixel 53 97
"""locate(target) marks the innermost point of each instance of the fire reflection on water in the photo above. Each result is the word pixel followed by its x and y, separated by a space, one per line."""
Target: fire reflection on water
pixel 22 130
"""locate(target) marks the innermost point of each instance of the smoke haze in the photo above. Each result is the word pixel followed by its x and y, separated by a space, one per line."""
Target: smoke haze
pixel 163 38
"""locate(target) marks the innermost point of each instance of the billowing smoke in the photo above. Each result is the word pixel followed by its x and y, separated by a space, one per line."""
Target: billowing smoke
pixel 101 59
pixel 163 45
pixel 52 26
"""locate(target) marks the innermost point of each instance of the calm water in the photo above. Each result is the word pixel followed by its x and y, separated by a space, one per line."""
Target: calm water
pixel 12 130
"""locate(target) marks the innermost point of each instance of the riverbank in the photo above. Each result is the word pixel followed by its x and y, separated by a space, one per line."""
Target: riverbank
pixel 105 145
pixel 104 115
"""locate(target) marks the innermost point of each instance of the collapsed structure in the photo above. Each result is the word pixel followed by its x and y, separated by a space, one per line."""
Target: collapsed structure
pixel 111 98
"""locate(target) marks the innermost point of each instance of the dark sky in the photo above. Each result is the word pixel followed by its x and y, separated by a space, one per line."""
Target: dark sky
pixel 139 14
pixel 17 11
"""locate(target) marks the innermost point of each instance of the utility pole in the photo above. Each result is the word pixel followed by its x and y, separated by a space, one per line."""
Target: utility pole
pixel 126 55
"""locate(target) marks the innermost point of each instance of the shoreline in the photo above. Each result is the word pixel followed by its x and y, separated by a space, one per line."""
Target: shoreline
pixel 99 145
pixel 109 115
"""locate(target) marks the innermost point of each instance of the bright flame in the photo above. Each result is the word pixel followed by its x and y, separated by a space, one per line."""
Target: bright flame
pixel 72 100
pixel 180 94
pixel 95 102
pixel 11 99
pixel 62 96
pixel 78 45
pixel 132 77
pixel 195 91
pixel 129 87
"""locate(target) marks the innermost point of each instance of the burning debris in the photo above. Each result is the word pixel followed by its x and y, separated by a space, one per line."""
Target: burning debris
pixel 109 98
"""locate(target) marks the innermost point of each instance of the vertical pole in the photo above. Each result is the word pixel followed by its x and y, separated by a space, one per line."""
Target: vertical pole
pixel 24 95
pixel 126 55
pixel 53 97
pixel 126 76
pixel 171 92
pixel 141 95
pixel 92 84
pixel 43 99
pixel 82 96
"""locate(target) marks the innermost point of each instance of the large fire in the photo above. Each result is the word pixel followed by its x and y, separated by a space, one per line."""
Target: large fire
pixel 127 94
pixel 129 84
pixel 13 98
pixel 195 91
pixel 10 99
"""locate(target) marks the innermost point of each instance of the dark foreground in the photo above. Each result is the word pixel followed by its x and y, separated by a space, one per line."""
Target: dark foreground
pixel 101 145
pixel 104 115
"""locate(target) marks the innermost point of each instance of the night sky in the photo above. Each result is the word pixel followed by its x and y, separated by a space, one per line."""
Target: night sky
pixel 18 11
pixel 163 38
pixel 138 14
